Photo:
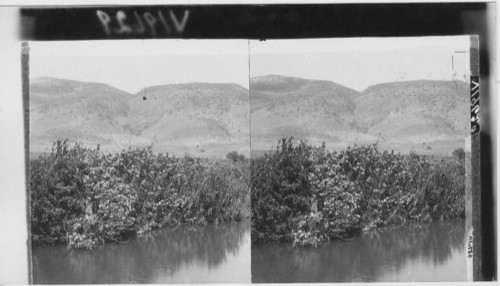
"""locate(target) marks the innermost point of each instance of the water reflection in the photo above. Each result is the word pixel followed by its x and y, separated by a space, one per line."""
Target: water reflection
pixel 415 252
pixel 215 253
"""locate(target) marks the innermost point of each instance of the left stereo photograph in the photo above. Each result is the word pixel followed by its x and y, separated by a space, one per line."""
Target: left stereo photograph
pixel 139 161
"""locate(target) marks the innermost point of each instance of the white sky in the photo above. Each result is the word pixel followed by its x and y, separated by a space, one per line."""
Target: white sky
pixel 360 62
pixel 134 64
pixel 353 62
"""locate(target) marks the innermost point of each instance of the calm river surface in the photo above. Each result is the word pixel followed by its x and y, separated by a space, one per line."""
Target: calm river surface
pixel 413 252
pixel 211 254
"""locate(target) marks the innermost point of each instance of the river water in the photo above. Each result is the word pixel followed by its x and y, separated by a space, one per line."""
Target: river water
pixel 413 252
pixel 210 254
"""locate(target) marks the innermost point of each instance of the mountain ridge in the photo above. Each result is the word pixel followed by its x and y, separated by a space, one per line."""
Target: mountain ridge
pixel 428 115
pixel 177 118
pixel 214 117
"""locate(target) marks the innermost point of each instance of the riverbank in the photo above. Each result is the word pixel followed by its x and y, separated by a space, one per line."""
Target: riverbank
pixel 215 253
pixel 308 195
pixel 84 197
pixel 412 252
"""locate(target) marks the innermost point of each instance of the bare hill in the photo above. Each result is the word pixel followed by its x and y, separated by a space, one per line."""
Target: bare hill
pixel 213 119
pixel 426 116
pixel 92 113
pixel 285 106
pixel 416 111
pixel 203 118
pixel 200 115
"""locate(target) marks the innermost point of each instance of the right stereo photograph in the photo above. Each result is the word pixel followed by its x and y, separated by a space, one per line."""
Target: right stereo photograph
pixel 359 151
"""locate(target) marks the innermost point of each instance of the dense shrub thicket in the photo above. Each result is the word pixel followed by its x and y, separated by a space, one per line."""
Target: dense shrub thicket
pixel 309 195
pixel 84 197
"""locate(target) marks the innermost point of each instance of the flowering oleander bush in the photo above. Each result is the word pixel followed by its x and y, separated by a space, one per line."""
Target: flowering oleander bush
pixel 332 195
pixel 280 190
pixel 84 197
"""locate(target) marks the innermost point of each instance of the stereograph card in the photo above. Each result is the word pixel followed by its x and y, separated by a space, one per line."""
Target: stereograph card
pixel 161 150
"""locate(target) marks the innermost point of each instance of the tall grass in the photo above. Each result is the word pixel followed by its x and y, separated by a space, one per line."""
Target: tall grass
pixel 309 195
pixel 84 197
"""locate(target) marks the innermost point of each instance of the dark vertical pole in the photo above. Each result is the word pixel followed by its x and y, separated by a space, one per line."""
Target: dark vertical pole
pixel 25 74
pixel 475 162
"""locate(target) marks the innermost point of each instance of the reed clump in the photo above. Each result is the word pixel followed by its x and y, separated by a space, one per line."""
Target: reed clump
pixel 84 197
pixel 309 195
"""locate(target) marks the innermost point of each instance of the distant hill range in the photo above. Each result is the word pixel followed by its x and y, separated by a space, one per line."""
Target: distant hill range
pixel 424 116
pixel 209 119
pixel 198 118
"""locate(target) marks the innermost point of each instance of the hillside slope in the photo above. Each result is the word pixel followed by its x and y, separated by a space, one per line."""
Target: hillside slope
pixel 178 118
pixel 286 106
pixel 418 110
pixel 213 119
pixel 427 116
pixel 92 113
pixel 194 114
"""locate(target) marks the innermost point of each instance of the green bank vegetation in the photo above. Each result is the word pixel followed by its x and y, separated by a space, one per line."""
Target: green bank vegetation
pixel 309 195
pixel 84 197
